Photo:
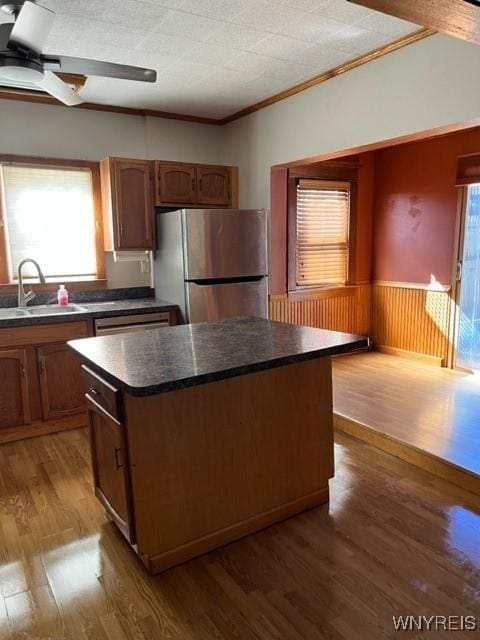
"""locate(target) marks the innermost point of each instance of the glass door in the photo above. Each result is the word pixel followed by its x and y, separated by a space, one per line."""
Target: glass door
pixel 468 335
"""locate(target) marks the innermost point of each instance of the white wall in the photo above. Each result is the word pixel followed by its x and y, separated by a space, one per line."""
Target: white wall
pixel 431 83
pixel 44 130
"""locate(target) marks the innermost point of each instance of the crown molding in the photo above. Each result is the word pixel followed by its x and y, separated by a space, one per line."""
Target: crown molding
pixel 24 95
pixel 374 54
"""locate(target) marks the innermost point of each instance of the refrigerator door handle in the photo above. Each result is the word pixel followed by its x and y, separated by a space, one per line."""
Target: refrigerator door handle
pixel 209 281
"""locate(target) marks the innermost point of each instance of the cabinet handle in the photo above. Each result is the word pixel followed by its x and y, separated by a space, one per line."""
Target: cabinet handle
pixel 118 464
pixel 94 392
pixel 193 184
pixel 22 370
pixel 41 367
pixel 122 230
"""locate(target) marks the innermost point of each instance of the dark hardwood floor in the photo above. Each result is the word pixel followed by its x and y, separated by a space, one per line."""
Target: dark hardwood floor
pixel 393 540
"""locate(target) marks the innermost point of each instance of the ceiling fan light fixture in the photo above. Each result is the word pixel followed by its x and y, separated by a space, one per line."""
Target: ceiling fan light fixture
pixel 17 70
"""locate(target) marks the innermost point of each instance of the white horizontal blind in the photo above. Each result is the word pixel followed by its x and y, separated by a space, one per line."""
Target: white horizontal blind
pixel 323 212
pixel 50 217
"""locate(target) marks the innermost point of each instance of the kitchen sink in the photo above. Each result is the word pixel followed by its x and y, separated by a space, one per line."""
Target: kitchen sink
pixel 6 314
pixel 49 310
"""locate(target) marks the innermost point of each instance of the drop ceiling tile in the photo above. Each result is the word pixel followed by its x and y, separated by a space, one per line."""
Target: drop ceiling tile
pixel 313 28
pixel 303 5
pixel 321 57
pixel 210 53
pixel 163 44
pixel 281 47
pixel 236 37
pixel 134 14
pixel 355 40
pixel 268 16
pixel 218 9
pixel 169 4
pixel 246 62
pixel 187 25
pixel 343 11
pixel 387 25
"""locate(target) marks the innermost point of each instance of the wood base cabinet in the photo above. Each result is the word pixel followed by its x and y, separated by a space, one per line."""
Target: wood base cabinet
pixel 110 467
pixel 14 404
pixel 40 377
pixel 62 393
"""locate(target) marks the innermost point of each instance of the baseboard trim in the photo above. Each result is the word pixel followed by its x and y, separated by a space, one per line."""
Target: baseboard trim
pixel 172 557
pixel 11 434
pixel 409 453
pixel 436 361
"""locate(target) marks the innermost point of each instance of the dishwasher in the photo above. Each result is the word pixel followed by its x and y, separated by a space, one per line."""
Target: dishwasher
pixel 130 324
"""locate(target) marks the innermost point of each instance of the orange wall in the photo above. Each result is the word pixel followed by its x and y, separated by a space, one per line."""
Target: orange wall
pixel 415 208
pixel 365 199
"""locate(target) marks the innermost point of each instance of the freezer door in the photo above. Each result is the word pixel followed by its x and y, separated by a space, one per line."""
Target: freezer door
pixel 227 300
pixel 224 243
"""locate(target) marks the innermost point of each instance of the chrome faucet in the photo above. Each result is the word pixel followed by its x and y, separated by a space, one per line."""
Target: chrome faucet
pixel 24 298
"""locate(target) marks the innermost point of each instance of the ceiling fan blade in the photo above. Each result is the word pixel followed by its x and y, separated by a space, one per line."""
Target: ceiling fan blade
pixel 59 89
pixel 32 27
pixel 83 66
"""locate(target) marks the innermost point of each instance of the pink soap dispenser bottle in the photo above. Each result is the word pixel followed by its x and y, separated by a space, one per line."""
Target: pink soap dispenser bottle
pixel 62 295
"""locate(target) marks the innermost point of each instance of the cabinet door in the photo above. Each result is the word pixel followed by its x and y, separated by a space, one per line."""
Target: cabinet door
pixel 133 204
pixel 61 381
pixel 176 184
pixel 14 406
pixel 110 468
pixel 213 186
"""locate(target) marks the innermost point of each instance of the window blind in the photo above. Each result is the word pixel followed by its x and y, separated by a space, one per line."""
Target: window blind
pixel 323 211
pixel 50 217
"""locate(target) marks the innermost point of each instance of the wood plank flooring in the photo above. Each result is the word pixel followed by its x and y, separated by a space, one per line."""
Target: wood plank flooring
pixel 393 540
pixel 432 410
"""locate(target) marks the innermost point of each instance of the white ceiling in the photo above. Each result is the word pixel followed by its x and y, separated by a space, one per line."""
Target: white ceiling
pixel 214 57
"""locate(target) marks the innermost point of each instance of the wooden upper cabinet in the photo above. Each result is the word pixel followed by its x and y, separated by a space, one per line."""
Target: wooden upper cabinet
pixel 181 184
pixel 14 403
pixel 176 183
pixel 61 381
pixel 128 204
pixel 213 186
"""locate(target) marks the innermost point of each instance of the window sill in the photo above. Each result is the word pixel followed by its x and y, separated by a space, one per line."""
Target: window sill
pixel 333 291
pixel 73 285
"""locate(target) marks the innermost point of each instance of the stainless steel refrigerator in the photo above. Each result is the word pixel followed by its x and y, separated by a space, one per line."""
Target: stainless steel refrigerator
pixel 212 262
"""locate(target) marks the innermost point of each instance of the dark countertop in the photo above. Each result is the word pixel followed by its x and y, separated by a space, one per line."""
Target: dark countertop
pixel 160 360
pixel 92 310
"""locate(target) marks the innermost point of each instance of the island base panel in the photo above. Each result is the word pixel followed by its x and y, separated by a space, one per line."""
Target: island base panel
pixel 214 462
pixel 168 559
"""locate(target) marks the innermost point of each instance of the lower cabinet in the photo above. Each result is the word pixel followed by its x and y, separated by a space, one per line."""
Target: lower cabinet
pixel 110 467
pixel 14 403
pixel 61 381
pixel 40 377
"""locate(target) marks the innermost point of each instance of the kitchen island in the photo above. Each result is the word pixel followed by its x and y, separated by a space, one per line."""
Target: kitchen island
pixel 203 433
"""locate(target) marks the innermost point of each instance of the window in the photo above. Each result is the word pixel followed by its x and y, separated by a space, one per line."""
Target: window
pixel 49 215
pixel 322 233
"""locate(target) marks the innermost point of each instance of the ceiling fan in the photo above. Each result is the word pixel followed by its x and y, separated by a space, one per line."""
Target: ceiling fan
pixel 22 60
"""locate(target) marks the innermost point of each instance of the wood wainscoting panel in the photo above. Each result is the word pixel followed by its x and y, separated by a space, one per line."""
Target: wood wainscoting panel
pixel 346 309
pixel 415 320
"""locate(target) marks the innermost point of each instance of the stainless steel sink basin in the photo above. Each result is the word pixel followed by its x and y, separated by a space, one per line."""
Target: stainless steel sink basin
pixel 49 310
pixel 6 314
